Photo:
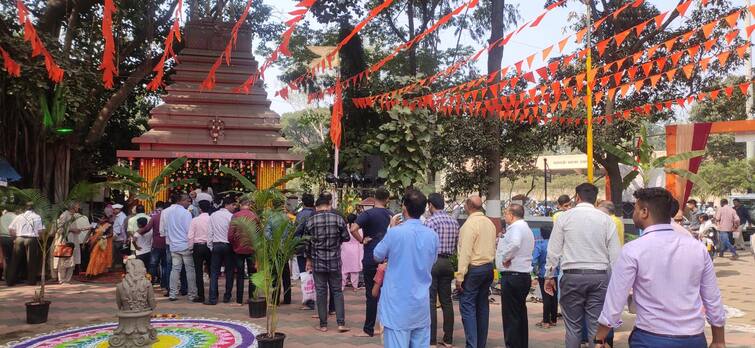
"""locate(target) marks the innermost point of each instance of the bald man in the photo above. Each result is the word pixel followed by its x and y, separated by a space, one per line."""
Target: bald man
pixel 476 253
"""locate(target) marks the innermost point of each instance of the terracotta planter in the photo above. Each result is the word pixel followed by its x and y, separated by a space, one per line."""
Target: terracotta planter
pixel 36 313
pixel 271 342
pixel 257 308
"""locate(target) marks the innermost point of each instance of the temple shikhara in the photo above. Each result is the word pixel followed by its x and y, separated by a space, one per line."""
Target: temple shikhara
pixel 216 127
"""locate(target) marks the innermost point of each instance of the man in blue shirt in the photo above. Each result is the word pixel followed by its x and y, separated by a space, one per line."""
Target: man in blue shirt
pixel 373 223
pixel 411 250
pixel 175 222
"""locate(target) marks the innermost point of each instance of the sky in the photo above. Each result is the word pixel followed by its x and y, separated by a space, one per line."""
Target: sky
pixel 552 29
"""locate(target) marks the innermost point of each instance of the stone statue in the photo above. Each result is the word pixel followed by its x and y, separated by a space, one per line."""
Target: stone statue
pixel 136 301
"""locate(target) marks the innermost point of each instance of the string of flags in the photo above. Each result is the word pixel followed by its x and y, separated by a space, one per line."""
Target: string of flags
pixel 173 35
pixel 54 71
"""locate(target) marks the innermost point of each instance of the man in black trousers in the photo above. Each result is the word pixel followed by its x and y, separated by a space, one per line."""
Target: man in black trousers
pixel 514 259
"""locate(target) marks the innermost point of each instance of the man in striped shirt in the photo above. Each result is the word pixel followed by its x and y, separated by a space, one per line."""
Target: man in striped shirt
pixel 447 229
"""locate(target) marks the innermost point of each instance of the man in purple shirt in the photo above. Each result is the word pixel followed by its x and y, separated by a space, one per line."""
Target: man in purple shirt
pixel 728 221
pixel 673 279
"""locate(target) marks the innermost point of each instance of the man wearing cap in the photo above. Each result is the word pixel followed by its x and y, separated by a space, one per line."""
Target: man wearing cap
pixel 119 233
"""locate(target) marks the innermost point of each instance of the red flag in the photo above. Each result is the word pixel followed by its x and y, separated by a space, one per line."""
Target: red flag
pixel 13 68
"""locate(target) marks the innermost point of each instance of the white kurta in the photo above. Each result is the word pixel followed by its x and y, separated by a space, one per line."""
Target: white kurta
pixel 80 222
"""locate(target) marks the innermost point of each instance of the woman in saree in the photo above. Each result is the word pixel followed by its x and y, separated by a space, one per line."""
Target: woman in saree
pixel 101 244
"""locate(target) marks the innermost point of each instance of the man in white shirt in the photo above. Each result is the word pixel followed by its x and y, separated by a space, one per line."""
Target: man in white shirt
pixel 585 243
pixel 175 223
pixel 25 228
pixel 120 234
pixel 222 253
pixel 513 257
pixel 143 243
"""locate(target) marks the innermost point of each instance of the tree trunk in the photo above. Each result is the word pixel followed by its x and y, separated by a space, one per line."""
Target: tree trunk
pixel 611 165
pixel 412 50
pixel 493 200
pixel 117 99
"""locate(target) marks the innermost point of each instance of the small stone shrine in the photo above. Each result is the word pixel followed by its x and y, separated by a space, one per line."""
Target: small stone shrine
pixel 136 301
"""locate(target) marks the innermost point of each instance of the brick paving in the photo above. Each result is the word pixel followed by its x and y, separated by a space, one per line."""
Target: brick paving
pixel 82 304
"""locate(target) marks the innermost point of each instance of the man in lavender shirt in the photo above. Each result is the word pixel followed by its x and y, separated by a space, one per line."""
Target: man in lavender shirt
pixel 673 280
pixel 728 221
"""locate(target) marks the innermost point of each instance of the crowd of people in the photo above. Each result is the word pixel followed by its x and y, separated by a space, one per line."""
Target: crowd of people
pixel 406 262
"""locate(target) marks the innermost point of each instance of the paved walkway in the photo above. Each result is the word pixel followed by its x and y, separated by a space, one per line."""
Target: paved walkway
pixel 85 304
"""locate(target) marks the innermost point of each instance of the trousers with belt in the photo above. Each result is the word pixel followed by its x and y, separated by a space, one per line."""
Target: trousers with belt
pixel 582 296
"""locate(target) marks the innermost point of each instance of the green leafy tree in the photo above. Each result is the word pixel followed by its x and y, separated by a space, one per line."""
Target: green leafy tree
pixel 721 147
pixel 404 143
pixel 725 178
pixel 307 129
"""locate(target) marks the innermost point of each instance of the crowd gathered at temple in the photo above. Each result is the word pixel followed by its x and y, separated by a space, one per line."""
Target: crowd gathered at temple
pixel 414 263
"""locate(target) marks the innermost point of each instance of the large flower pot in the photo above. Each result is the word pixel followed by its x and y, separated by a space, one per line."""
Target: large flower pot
pixel 271 342
pixel 257 308
pixel 36 313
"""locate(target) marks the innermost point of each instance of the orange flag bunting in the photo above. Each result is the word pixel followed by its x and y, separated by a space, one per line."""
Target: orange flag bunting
pixel 547 52
pixel 209 81
pixel 732 19
pixel 688 70
pixel 173 34
pixel 744 87
pixel 723 57
pixel 682 8
pixel 108 54
pixel 54 71
pixel 620 37
pixel 708 28
pixel 11 67
pixel 602 46
pixel 562 44
pixel 659 19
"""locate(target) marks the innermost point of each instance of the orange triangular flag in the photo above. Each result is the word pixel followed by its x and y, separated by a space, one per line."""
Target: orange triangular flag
pixel 598 96
pixel 670 43
pixel 581 34
pixel 670 75
pixel 639 84
pixel 661 63
pixel 751 9
pixel 647 67
pixel 599 22
pixel 750 29
pixel 688 70
pixel 732 19
pixel 639 28
pixel 708 28
pixel 611 94
pixel 553 67
pixel 518 66
pixel 632 72
pixel 686 36
pixel 723 57
pixel 708 45
pixel 731 35
pixel 741 50
pixel 693 51
pixel 530 59
pixel 624 90
pixel 744 87
pixel 675 58
pixel 617 78
pixel 654 79
pixel 547 52
pixel 729 90
pixel 602 46
pixel 682 8
pixel 604 81
pixel 714 94
pixel 659 19
pixel 562 44
pixel 620 37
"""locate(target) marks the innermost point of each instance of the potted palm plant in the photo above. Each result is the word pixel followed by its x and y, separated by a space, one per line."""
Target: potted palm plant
pixel 273 248
pixel 38 308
